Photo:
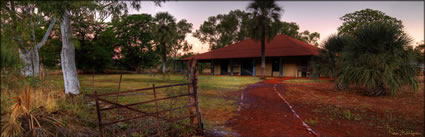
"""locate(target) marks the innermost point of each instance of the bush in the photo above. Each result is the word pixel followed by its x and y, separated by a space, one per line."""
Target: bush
pixel 378 60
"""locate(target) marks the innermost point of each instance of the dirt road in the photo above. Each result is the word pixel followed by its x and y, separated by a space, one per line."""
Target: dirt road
pixel 263 113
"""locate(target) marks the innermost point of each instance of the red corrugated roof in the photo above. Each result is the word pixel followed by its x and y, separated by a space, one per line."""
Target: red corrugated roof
pixel 280 45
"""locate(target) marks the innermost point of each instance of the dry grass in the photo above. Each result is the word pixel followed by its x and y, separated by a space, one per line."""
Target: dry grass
pixel 25 113
pixel 39 111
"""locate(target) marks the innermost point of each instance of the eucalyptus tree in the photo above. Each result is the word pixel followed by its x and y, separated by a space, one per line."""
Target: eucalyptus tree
pixel 180 44
pixel 224 29
pixel 133 36
pixel 352 21
pixel 264 16
pixel 65 10
pixel 311 38
pixel 292 29
pixel 378 60
pixel 30 28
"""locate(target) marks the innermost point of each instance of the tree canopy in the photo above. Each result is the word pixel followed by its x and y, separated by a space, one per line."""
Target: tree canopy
pixel 355 20
pixel 132 37
pixel 292 29
pixel 223 29
pixel 226 29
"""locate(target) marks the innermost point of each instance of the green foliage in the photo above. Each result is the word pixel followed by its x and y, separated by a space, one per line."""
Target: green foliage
pixel 224 29
pixel 325 64
pixel 132 35
pixel 353 21
pixel 9 54
pixel 292 29
pixel 169 36
pixel 50 53
pixel 289 28
pixel 94 56
pixel 264 16
pixel 419 52
pixel 378 59
pixel 180 44
pixel 376 56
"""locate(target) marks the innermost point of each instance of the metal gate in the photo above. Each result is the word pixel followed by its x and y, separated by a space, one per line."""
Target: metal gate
pixel 193 109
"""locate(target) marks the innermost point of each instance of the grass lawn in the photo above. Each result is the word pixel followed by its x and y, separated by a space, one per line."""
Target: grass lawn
pixel 218 95
pixel 349 113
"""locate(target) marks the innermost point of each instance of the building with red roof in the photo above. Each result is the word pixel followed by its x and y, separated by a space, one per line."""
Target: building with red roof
pixel 285 56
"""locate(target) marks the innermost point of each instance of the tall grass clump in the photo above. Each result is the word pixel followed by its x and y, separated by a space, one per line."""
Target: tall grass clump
pixel 36 112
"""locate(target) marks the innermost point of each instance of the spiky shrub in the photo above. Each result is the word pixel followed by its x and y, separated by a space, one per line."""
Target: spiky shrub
pixel 325 64
pixel 378 60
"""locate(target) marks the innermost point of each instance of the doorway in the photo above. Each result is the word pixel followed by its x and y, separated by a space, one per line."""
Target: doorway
pixel 224 67
pixel 246 67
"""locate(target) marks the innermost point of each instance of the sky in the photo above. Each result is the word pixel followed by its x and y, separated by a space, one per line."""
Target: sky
pixel 315 16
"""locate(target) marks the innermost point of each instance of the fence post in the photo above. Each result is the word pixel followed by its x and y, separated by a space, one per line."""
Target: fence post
pixel 193 89
pixel 157 114
pixel 99 117
pixel 119 86
pixel 195 95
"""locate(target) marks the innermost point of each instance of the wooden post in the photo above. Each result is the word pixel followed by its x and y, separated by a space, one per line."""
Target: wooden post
pixel 92 80
pixel 181 67
pixel 254 73
pixel 99 117
pixel 195 95
pixel 212 67
pixel 193 89
pixel 280 67
pixel 119 86
pixel 231 67
pixel 157 114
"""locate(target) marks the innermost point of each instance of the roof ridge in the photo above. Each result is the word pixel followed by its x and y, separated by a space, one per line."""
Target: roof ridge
pixel 291 46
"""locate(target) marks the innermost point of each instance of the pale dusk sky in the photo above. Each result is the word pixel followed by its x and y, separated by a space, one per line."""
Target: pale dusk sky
pixel 315 16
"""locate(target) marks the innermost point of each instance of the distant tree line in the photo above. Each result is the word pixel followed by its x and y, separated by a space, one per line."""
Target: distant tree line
pixel 226 29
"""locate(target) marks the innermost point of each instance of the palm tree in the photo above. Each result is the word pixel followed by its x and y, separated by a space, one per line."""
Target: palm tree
pixel 378 60
pixel 264 15
pixel 164 34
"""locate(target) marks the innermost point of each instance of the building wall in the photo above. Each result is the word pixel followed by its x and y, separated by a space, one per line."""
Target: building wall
pixel 289 66
pixel 217 69
pixel 289 70
pixel 268 71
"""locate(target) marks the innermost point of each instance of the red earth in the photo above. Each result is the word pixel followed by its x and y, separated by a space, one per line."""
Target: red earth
pixel 263 113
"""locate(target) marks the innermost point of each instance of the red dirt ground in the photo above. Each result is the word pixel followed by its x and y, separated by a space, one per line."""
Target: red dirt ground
pixel 263 113
pixel 319 101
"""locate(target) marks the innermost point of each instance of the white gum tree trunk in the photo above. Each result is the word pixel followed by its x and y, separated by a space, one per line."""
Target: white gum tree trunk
pixel 26 57
pixel 72 85
pixel 31 58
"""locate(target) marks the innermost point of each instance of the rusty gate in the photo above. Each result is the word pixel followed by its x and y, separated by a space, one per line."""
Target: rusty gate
pixel 193 108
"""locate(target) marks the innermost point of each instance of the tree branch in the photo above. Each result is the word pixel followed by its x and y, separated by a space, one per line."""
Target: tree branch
pixel 46 35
